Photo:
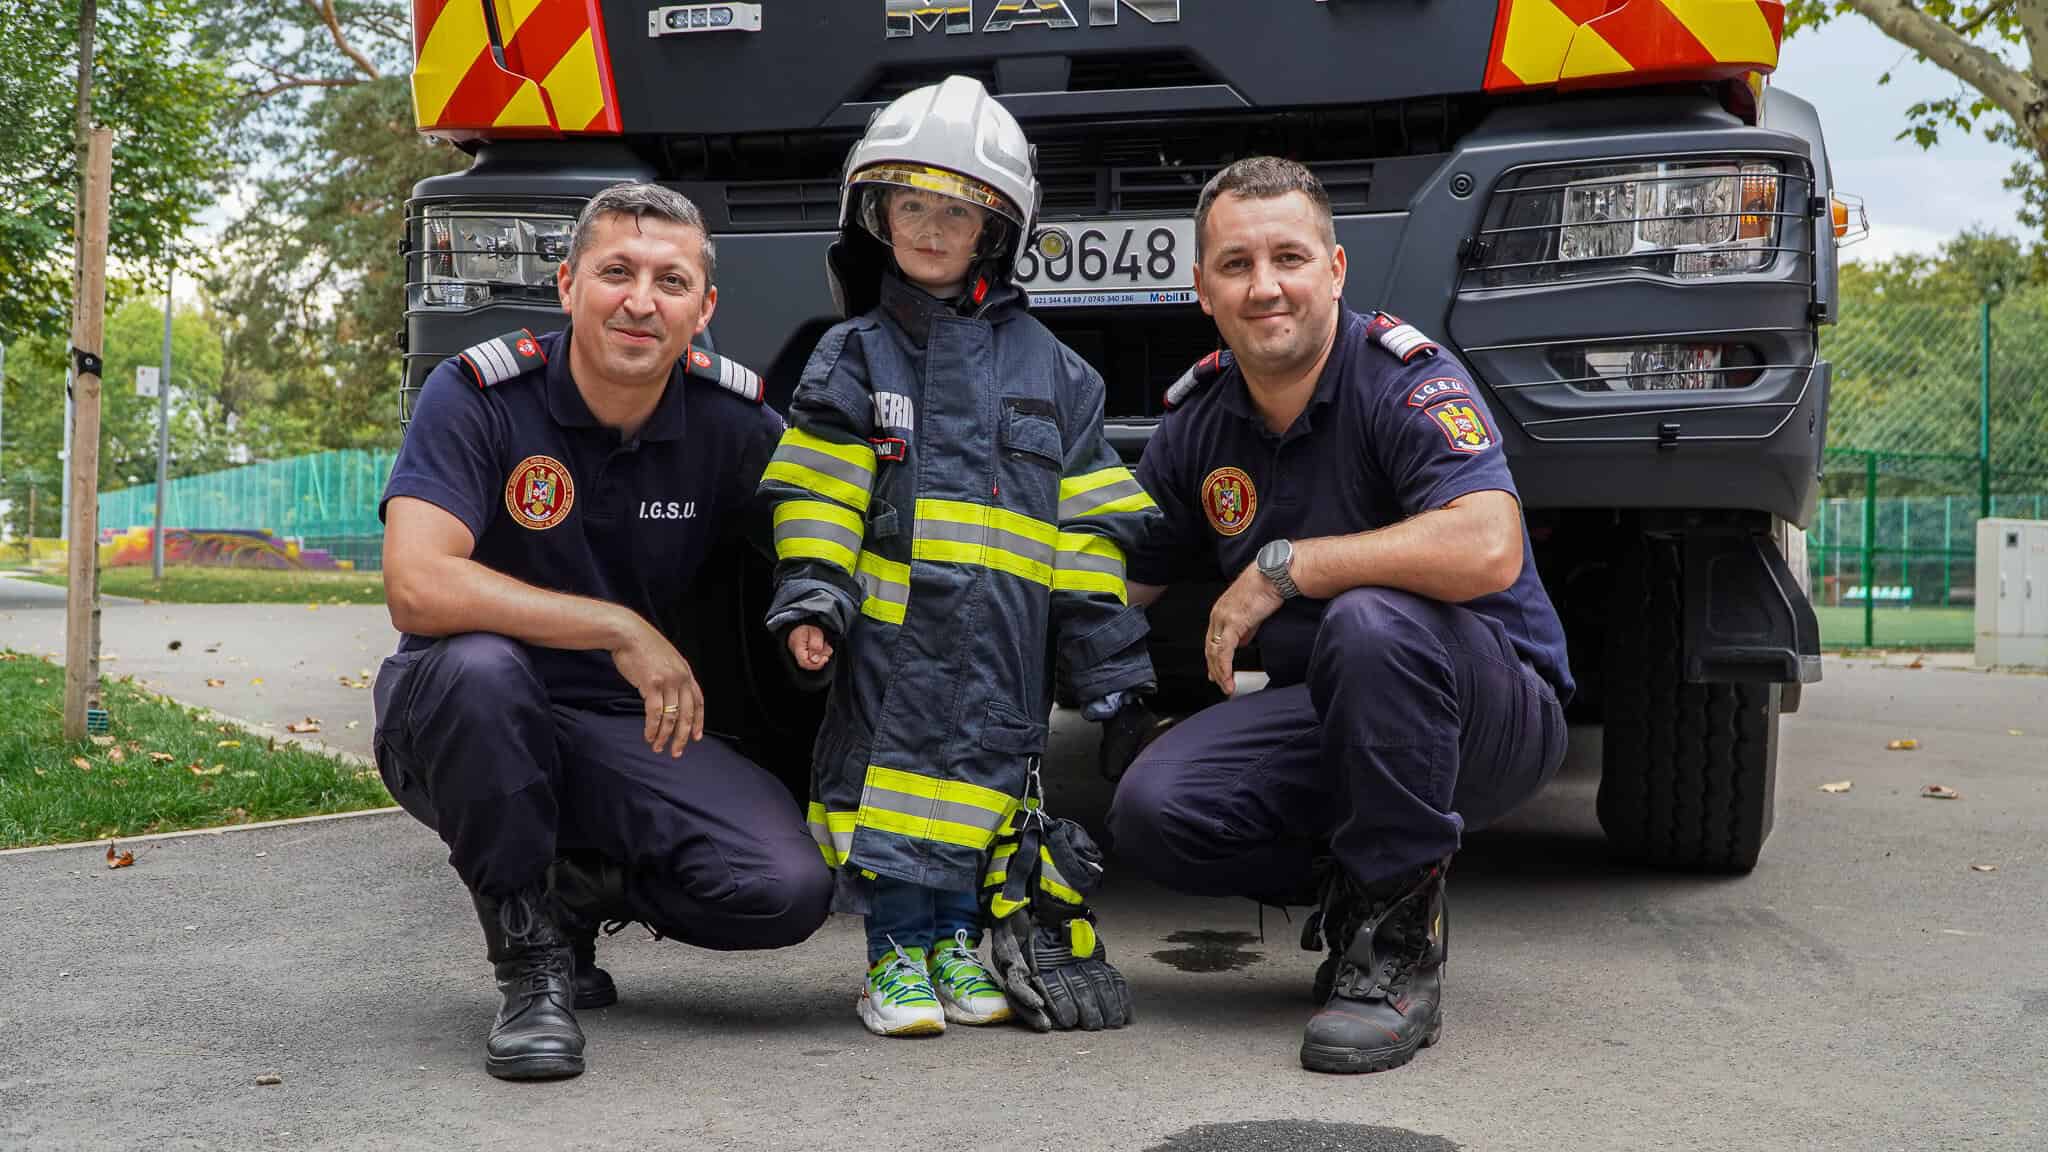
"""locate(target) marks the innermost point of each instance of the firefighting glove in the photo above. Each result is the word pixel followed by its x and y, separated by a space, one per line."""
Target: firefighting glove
pixel 1043 944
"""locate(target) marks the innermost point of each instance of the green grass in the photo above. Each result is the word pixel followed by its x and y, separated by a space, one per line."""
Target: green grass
pixel 1897 627
pixel 166 768
pixel 182 585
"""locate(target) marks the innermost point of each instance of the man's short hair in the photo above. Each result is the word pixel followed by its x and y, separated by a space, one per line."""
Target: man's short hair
pixel 640 201
pixel 1264 178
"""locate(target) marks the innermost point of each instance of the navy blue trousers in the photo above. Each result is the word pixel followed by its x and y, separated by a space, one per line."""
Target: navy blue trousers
pixel 1416 720
pixel 469 742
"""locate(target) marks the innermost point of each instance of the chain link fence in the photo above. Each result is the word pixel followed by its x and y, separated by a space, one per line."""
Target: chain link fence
pixel 1938 417
pixel 324 502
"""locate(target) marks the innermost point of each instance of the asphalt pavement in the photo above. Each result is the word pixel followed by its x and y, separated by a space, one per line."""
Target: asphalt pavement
pixel 1865 988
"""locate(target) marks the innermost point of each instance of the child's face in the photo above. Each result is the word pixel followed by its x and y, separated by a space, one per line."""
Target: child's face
pixel 934 237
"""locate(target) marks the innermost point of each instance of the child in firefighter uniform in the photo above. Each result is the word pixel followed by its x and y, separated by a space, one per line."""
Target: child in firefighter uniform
pixel 950 526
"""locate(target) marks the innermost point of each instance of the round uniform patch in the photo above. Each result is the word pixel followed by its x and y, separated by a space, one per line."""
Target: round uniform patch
pixel 540 493
pixel 1230 500
pixel 700 358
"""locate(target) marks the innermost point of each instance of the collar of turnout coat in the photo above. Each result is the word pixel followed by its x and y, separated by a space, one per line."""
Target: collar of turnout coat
pixel 913 310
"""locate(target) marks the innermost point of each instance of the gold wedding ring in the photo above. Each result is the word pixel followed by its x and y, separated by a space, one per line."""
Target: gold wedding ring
pixel 671 709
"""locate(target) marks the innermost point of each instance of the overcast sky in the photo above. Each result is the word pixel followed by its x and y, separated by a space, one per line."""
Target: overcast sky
pixel 1916 198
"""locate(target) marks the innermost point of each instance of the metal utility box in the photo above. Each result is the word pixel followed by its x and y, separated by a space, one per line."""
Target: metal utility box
pixel 2012 592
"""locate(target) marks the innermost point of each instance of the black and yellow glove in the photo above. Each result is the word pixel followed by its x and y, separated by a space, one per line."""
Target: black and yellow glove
pixel 1043 945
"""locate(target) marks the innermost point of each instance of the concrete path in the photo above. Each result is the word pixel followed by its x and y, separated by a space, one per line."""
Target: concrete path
pixel 1863 989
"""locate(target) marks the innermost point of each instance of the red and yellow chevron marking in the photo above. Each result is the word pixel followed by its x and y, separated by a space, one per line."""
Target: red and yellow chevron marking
pixel 556 77
pixel 1606 42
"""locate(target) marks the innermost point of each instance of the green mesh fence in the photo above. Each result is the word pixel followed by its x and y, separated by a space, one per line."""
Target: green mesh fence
pixel 325 504
pixel 1938 415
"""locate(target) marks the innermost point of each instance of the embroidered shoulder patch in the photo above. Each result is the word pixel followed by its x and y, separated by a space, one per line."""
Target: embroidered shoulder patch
pixel 1463 427
pixel 539 493
pixel 728 374
pixel 1437 388
pixel 1230 500
pixel 500 358
pixel 1399 337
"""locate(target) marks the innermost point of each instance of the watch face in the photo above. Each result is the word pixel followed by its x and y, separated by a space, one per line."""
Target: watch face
pixel 1274 555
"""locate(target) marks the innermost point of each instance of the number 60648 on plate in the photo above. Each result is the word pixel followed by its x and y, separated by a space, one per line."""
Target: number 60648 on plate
pixel 1125 261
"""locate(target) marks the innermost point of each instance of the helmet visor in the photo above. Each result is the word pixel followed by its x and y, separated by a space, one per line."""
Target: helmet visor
pixel 925 178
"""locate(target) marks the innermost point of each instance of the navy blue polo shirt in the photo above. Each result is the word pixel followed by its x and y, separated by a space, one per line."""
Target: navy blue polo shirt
pixel 1379 442
pixel 559 501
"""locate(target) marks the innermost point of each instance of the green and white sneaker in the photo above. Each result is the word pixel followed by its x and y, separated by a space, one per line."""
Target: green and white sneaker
pixel 969 994
pixel 897 999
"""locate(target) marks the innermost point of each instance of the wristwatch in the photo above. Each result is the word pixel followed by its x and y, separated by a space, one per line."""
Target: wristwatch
pixel 1274 559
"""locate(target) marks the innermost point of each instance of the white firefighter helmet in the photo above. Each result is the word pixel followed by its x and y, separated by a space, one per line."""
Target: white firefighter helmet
pixel 950 138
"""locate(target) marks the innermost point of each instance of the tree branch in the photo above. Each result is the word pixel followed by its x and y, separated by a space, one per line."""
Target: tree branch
pixel 2015 92
pixel 1978 21
pixel 324 9
pixel 2033 21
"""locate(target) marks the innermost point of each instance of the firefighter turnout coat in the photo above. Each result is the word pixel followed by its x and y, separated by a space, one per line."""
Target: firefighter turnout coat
pixel 948 511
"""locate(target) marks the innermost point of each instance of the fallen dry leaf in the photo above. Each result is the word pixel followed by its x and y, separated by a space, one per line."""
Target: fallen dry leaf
pixel 256 680
pixel 308 725
pixel 229 744
pixel 102 741
pixel 1838 786
pixel 269 1078
pixel 175 645
pixel 40 772
pixel 121 861
pixel 1983 867
pixel 162 757
pixel 212 683
pixel 1903 745
pixel 203 770
pixel 355 723
pixel 1940 792
pixel 2014 732
pixel 116 755
pixel 81 763
pixel 1917 663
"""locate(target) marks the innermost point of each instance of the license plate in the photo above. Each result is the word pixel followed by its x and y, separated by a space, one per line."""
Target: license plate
pixel 1098 263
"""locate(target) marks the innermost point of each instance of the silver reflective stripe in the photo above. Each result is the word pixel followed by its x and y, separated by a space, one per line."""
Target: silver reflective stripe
pixel 924 807
pixel 1076 561
pixel 795 529
pixel 882 588
pixel 831 466
pixel 987 536
pixel 840 842
pixel 1080 505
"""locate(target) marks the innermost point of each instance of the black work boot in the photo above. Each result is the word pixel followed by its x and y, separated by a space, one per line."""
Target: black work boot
pixel 535 1036
pixel 1385 995
pixel 587 894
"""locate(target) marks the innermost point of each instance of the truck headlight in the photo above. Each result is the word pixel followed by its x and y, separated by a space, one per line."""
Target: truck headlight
pixel 1686 219
pixel 1656 367
pixel 462 258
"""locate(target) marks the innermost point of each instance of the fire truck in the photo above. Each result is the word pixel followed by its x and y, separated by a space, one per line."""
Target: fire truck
pixel 1602 207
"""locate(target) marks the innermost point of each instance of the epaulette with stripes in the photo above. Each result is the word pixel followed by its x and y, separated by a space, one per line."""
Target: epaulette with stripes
pixel 501 358
pixel 1204 373
pixel 728 374
pixel 1399 337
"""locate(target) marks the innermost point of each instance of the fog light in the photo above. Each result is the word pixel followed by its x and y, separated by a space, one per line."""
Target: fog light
pixel 1656 367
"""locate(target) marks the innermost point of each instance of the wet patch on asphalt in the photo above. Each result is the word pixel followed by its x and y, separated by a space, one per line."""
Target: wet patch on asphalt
pixel 1300 1136
pixel 1206 951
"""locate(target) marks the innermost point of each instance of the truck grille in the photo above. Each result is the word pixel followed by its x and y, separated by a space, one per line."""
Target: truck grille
pixel 1100 73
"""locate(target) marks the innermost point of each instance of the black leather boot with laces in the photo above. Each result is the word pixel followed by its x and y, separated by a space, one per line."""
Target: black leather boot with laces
pixel 1384 999
pixel 535 1036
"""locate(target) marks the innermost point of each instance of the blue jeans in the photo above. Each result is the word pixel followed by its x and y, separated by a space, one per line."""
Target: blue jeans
pixel 916 916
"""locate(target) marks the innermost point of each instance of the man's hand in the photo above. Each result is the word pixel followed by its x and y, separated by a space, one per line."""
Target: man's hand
pixel 808 647
pixel 1235 619
pixel 675 703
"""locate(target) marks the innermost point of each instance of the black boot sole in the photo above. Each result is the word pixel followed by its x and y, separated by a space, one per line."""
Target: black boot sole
pixel 550 1066
pixel 1351 1061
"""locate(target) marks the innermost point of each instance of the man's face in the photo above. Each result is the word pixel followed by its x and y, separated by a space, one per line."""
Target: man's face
pixel 636 298
pixel 1270 280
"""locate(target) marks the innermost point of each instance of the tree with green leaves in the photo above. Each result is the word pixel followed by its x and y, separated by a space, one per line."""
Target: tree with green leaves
pixel 161 94
pixel 1997 47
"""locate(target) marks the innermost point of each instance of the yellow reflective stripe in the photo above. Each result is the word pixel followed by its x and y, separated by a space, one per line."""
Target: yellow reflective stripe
pixel 925 828
pixel 997 804
pixel 817 530
pixel 956 532
pixel 833 831
pixel 887 585
pixel 1090 563
pixel 1081 938
pixel 1100 493
pixel 842 472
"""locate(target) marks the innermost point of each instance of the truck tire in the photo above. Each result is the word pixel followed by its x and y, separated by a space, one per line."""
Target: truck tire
pixel 1688 771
